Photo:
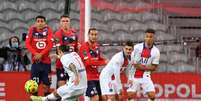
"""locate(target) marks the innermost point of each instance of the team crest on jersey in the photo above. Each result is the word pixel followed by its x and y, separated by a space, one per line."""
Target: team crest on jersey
pixel 44 33
pixel 41 45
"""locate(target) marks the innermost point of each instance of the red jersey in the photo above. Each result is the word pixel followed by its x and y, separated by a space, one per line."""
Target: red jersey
pixel 40 41
pixel 91 57
pixel 68 38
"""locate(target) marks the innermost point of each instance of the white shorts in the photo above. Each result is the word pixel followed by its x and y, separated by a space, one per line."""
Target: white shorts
pixel 109 87
pixel 145 83
pixel 69 93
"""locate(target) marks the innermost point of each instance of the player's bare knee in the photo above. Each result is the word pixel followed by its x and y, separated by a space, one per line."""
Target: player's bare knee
pixel 131 95
pixel 94 98
pixel 151 96
pixel 111 98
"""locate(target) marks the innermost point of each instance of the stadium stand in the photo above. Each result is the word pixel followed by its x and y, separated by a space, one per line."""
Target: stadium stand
pixel 118 26
pixel 17 15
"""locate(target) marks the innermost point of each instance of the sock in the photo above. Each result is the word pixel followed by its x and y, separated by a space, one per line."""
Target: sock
pixel 49 97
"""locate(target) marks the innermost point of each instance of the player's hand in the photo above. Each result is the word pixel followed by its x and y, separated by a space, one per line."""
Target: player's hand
pixel 60 53
pixel 38 57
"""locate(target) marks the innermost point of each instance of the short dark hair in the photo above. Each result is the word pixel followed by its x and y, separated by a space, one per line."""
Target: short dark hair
pixel 41 17
pixel 64 16
pixel 16 37
pixel 150 31
pixel 90 29
pixel 129 43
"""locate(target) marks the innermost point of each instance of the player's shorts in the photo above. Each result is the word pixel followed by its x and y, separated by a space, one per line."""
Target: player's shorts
pixel 145 83
pixel 93 88
pixel 39 72
pixel 69 93
pixel 109 87
pixel 61 75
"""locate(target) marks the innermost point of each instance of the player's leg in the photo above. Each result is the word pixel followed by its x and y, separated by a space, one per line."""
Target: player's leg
pixel 104 98
pixel 51 97
pixel 61 77
pixel 132 89
pixel 149 89
pixel 111 97
pixel 151 96
pixel 92 90
pixel 109 91
pixel 45 78
pixel 98 88
pixel 35 74
pixel 73 95
pixel 119 97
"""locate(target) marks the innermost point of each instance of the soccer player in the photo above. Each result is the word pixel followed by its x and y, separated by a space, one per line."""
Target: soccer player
pixel 39 43
pixel 77 83
pixel 64 36
pixel 110 75
pixel 145 58
pixel 91 56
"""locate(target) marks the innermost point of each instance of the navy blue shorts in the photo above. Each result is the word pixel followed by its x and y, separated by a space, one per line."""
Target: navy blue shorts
pixel 39 73
pixel 61 75
pixel 93 88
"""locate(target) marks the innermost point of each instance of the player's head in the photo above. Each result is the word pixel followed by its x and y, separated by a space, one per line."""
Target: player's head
pixel 40 22
pixel 61 50
pixel 65 22
pixel 64 49
pixel 128 48
pixel 14 42
pixel 149 37
pixel 93 35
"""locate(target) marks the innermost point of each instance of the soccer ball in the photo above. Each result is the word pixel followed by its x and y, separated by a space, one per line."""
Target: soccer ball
pixel 31 86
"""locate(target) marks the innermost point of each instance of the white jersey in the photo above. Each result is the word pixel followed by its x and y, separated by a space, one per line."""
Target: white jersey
pixel 75 59
pixel 144 56
pixel 114 67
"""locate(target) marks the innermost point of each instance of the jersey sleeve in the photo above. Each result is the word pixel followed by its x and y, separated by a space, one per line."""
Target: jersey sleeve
pixel 28 42
pixel 135 55
pixel 156 57
pixel 116 67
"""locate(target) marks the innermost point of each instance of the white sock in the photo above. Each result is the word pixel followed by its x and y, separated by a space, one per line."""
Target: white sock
pixel 49 97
